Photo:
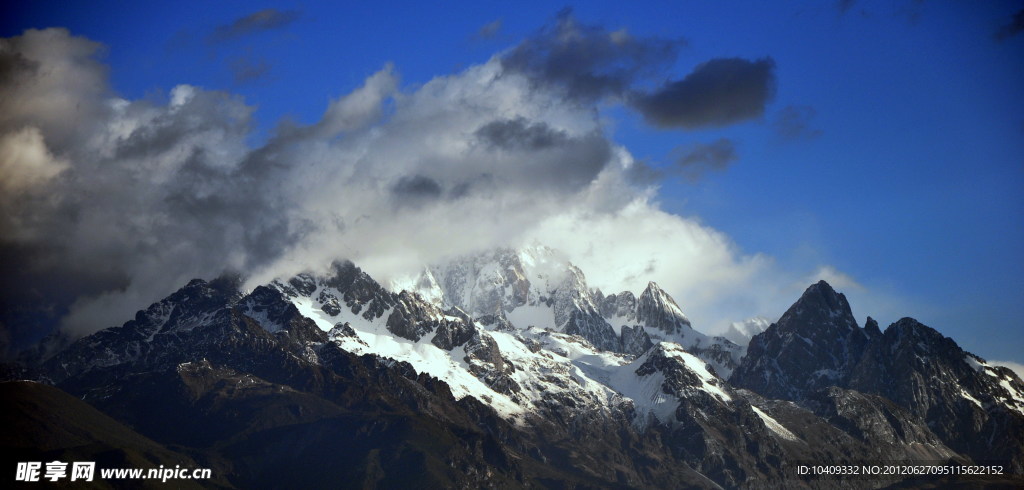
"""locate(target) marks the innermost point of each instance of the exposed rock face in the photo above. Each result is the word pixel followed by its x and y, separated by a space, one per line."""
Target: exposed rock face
pixel 656 309
pixel 413 318
pixel 619 308
pixel 154 331
pixel 879 423
pixel 496 322
pixel 485 284
pixel 662 319
pixel 590 326
pixel 684 375
pixel 813 346
pixel 359 290
pixel 973 408
pixel 635 340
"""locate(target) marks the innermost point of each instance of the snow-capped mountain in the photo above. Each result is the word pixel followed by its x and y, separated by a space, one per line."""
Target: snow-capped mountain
pixel 538 287
pixel 529 350
pixel 505 369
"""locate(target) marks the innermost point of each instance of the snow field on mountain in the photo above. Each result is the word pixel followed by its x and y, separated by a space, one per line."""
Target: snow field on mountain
pixel 697 366
pixel 539 316
pixel 425 357
pixel 565 365
pixel 646 392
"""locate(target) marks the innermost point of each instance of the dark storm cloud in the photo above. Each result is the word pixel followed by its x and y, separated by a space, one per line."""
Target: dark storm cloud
pixel 519 133
pixel 205 111
pixel 262 20
pixel 588 62
pixel 643 174
pixel 14 65
pixel 570 166
pixel 1011 28
pixel 553 157
pixel 108 204
pixel 140 197
pixel 794 123
pixel 416 188
pixel 718 92
pixel 36 290
pixel 695 160
pixel 489 30
pixel 51 81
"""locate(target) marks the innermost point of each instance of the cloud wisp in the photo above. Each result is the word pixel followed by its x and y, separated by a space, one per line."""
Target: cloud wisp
pixel 262 20
pixel 844 6
pixel 489 30
pixel 695 160
pixel 794 122
pixel 1012 28
pixel 246 69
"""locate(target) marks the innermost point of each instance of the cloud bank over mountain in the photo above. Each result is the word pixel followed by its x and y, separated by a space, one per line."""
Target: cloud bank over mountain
pixel 110 203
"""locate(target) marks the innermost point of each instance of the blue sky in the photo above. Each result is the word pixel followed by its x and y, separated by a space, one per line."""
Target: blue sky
pixel 903 168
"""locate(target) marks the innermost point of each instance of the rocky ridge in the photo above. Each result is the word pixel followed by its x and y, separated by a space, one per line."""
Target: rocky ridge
pixel 817 348
pixel 528 388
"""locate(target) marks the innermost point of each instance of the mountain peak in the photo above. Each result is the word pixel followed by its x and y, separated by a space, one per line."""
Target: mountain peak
pixel 871 327
pixel 657 309
pixel 820 306
pixel 810 347
pixel 823 292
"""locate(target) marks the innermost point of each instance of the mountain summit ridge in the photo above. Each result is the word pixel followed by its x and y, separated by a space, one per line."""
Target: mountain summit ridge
pixel 537 286
pixel 534 371
pixel 816 345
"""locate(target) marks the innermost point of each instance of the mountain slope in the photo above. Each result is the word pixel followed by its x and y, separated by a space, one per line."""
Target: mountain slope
pixel 974 408
pixel 380 388
pixel 274 380
pixel 43 423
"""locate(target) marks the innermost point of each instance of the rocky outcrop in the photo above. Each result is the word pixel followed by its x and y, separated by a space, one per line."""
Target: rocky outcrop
pixel 634 340
pixel 656 309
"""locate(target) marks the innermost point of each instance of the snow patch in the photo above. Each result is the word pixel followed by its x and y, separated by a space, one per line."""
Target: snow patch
pixel 774 425
pixel 1017 403
pixel 263 320
pixel 698 366
pixel 968 396
pixel 373 337
pixel 647 394
pixel 975 363
pixel 540 316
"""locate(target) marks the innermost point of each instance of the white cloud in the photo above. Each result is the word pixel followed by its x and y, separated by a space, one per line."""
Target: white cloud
pixel 362 106
pixel 838 280
pixel 151 195
pixel 55 84
pixel 25 161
